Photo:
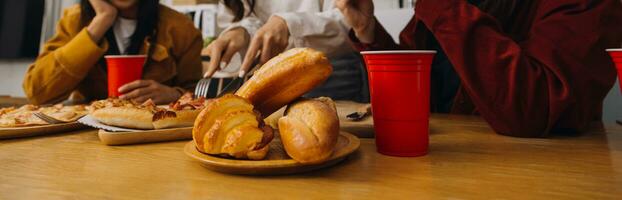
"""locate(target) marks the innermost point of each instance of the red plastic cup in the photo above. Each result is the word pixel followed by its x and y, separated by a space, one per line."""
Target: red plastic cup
pixel 399 83
pixel 123 69
pixel 616 55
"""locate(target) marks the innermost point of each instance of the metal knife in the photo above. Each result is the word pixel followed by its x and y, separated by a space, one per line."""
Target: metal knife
pixel 237 82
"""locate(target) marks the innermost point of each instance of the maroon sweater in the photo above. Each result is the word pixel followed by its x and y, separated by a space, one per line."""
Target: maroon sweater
pixel 547 72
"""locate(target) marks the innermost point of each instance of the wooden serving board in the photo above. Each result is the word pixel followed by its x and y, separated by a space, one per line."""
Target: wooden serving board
pixel 277 161
pixel 147 136
pixel 362 129
pixel 19 132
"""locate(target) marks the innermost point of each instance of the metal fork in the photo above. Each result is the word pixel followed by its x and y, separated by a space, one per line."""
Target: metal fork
pixel 49 119
pixel 202 87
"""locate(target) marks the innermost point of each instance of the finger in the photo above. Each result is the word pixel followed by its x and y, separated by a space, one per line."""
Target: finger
pixel 250 55
pixel 143 98
pixel 226 57
pixel 205 64
pixel 208 71
pixel 134 85
pixel 266 51
pixel 136 93
pixel 215 58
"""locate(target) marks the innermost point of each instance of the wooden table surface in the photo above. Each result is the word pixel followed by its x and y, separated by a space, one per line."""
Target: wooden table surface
pixel 466 160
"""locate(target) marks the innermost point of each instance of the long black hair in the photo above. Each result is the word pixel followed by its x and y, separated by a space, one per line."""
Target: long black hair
pixel 237 7
pixel 147 22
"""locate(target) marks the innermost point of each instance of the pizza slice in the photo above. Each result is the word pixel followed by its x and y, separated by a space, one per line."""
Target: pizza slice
pixel 20 117
pixel 129 114
pixel 65 113
pixel 25 115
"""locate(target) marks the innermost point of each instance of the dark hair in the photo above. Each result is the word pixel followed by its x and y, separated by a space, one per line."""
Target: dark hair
pixel 147 21
pixel 237 7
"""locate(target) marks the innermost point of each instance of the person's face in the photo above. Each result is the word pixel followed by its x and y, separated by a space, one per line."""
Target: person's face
pixel 123 4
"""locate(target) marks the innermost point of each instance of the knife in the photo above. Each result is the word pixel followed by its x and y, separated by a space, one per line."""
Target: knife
pixel 237 82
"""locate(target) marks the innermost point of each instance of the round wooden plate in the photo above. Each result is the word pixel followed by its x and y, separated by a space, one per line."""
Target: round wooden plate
pixel 277 161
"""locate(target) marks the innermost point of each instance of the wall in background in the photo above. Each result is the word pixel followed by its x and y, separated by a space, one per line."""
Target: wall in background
pixel 11 75
pixel 20 28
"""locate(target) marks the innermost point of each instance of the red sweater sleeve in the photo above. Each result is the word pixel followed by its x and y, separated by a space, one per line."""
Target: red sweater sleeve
pixel 556 78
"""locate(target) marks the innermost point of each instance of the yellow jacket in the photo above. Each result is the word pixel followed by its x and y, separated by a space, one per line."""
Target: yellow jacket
pixel 69 60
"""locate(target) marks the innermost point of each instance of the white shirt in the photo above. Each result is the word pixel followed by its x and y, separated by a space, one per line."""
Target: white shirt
pixel 312 23
pixel 123 30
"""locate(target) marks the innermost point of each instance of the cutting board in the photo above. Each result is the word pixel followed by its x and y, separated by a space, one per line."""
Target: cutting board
pixel 147 136
pixel 277 162
pixel 361 129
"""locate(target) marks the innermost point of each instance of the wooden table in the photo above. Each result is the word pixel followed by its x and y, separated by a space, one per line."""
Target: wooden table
pixel 466 160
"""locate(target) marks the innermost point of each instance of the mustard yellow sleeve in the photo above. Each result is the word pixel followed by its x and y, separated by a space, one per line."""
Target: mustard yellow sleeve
pixel 64 62
pixel 189 62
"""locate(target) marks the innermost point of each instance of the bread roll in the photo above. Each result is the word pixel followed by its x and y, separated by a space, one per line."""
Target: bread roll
pixel 309 130
pixel 285 78
pixel 229 126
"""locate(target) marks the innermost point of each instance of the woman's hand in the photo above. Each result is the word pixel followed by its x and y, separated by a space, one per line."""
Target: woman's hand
pixel 271 39
pixel 142 90
pixel 359 14
pixel 222 49
pixel 105 15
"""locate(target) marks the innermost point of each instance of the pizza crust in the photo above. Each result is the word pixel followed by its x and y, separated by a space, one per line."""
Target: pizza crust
pixel 127 117
pixel 182 118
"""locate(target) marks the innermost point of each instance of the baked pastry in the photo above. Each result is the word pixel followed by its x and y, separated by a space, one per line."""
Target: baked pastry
pixel 284 78
pixel 25 115
pixel 129 114
pixel 230 126
pixel 309 130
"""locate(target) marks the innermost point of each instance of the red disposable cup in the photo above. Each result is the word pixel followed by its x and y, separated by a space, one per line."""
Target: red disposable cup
pixel 616 55
pixel 399 84
pixel 123 69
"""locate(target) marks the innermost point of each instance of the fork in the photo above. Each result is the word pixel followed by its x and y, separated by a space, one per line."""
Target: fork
pixel 202 87
pixel 49 119
pixel 360 113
